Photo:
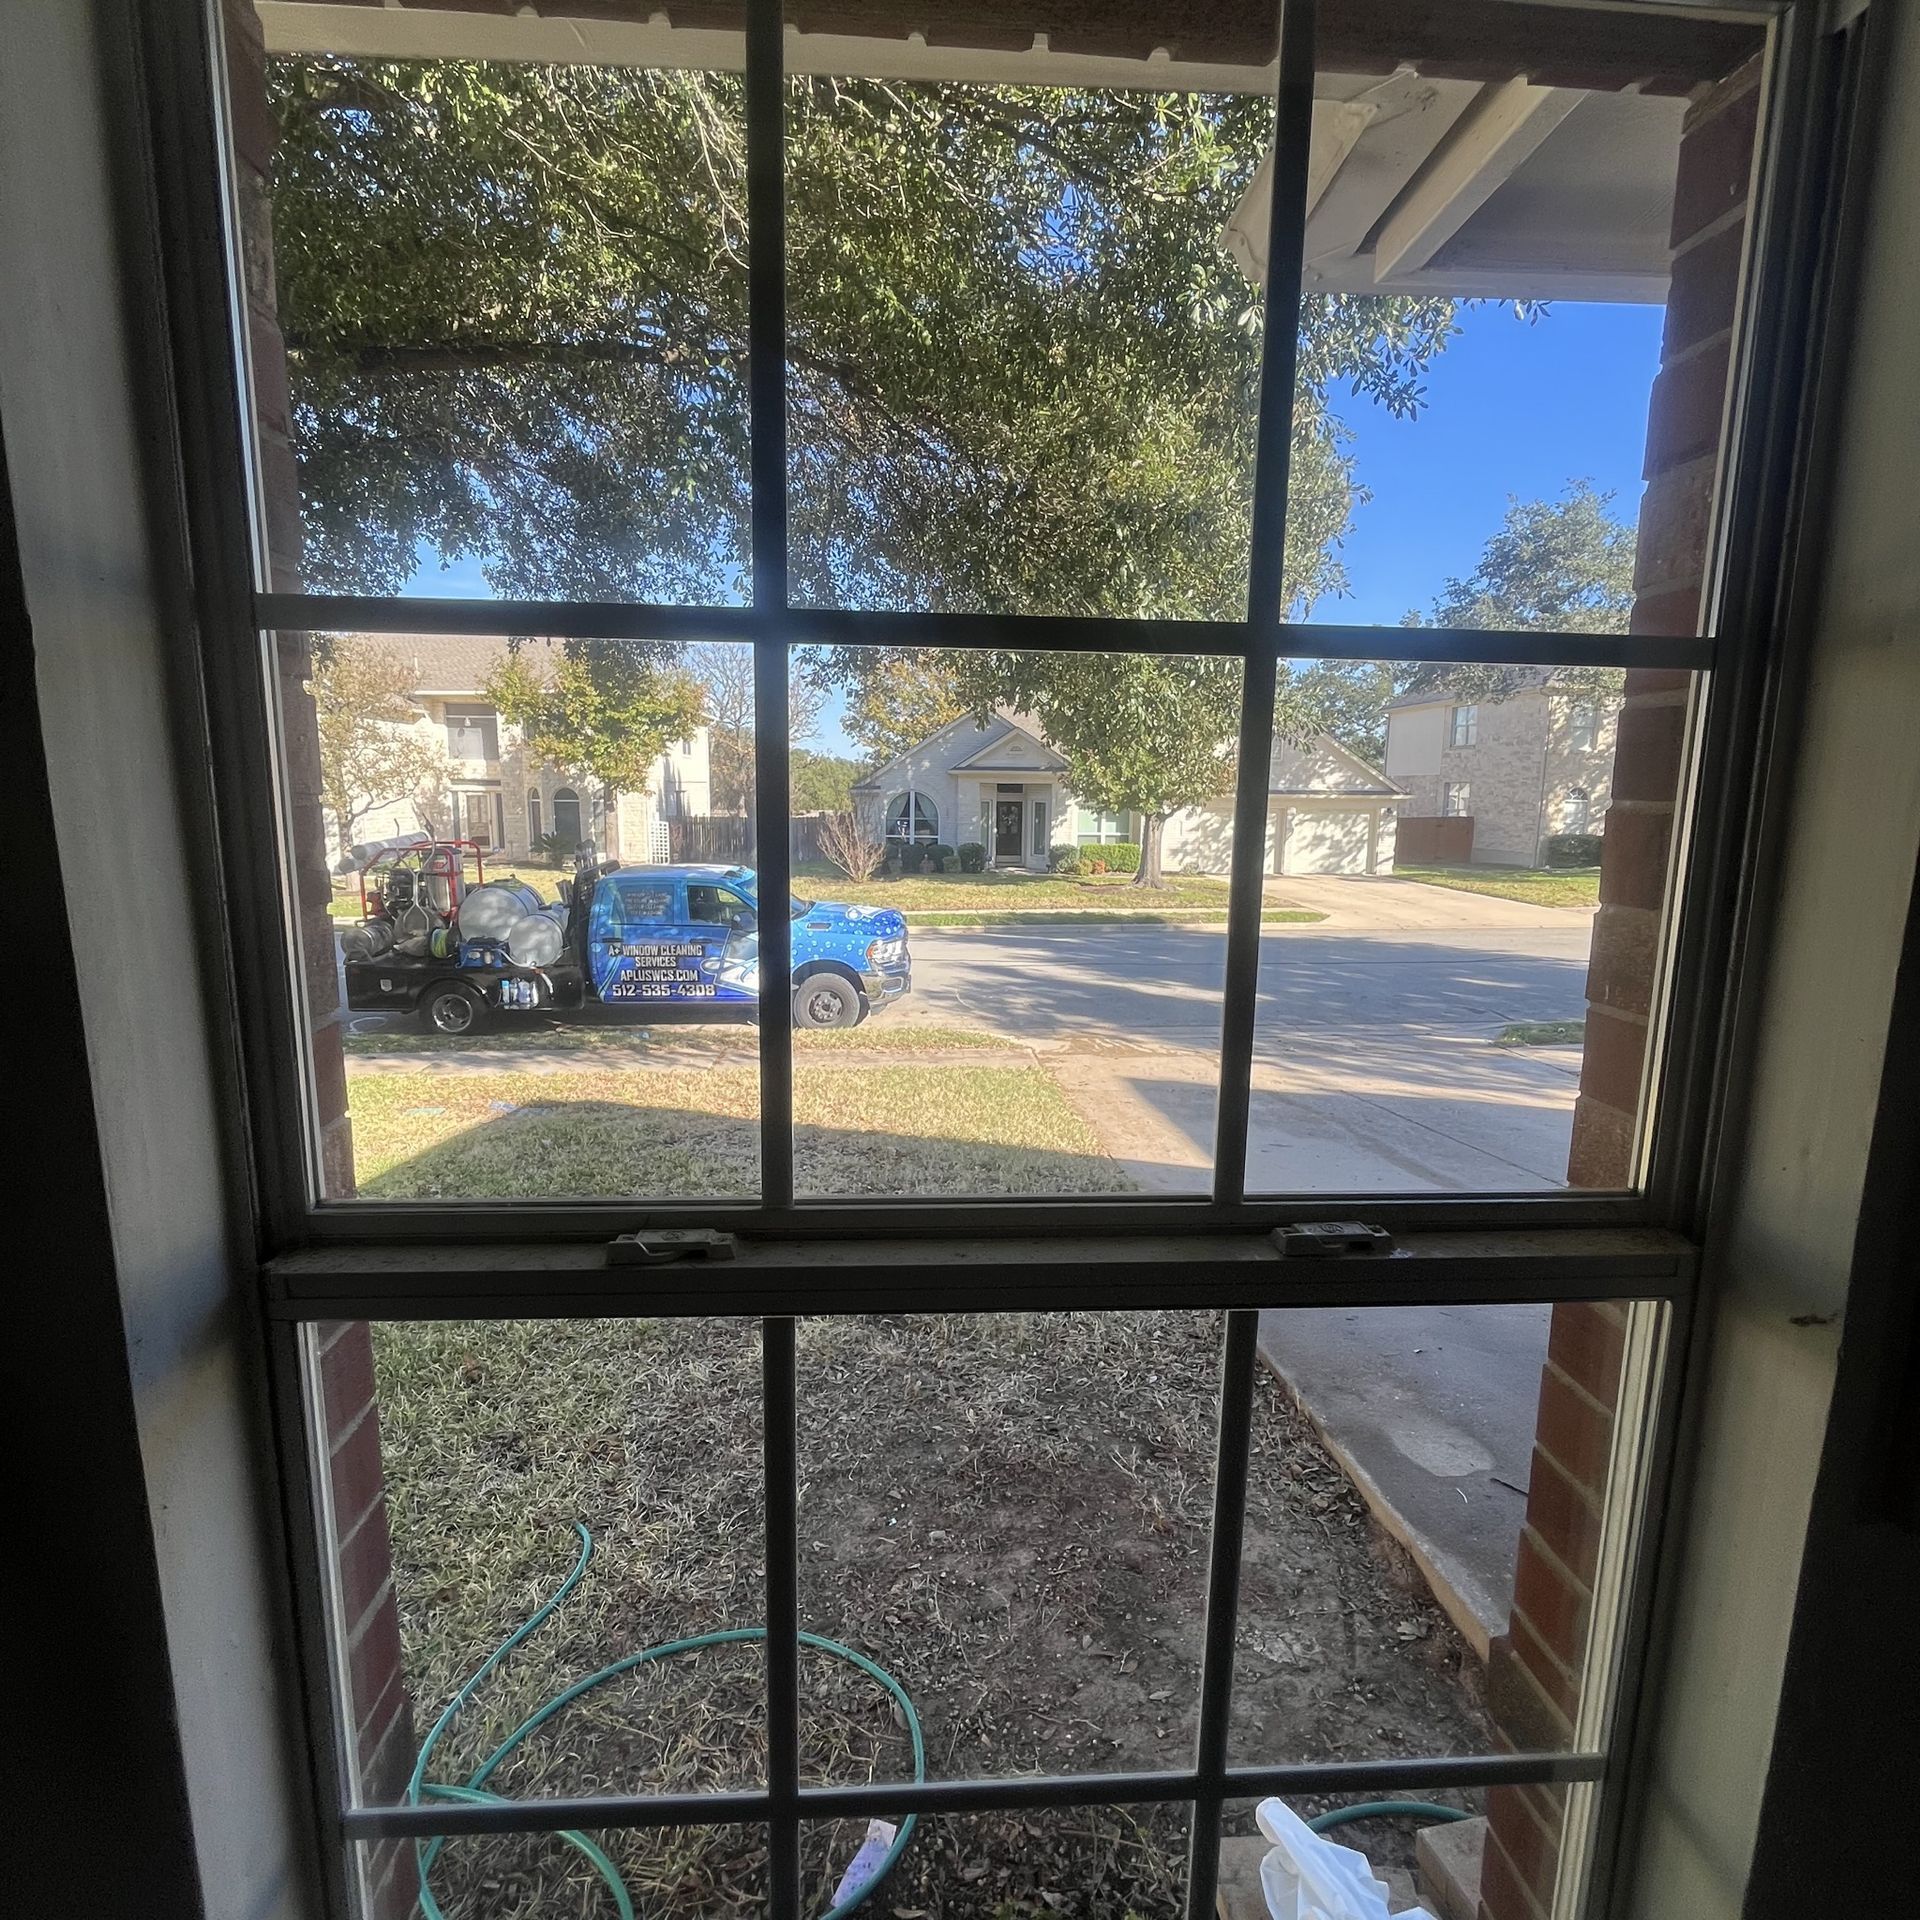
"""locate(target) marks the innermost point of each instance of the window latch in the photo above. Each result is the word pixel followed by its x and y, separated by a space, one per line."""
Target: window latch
pixel 656 1246
pixel 1322 1239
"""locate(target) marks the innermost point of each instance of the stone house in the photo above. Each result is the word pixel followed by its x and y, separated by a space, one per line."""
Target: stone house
pixel 1005 787
pixel 499 795
pixel 1537 762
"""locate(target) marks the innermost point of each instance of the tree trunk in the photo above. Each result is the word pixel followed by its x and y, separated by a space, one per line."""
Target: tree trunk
pixel 1148 873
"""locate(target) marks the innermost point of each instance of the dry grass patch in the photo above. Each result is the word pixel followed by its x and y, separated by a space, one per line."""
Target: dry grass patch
pixel 682 1132
pixel 1008 1512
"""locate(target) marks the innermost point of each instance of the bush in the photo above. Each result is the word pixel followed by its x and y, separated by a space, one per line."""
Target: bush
pixel 1121 856
pixel 973 857
pixel 1573 849
pixel 1064 860
pixel 941 856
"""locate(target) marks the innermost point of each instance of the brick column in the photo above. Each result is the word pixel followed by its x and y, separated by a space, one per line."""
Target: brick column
pixel 379 1713
pixel 1535 1667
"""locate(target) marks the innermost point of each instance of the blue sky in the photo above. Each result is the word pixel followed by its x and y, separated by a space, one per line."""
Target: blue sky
pixel 1512 408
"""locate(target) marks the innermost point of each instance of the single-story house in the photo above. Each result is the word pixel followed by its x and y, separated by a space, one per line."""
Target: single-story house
pixel 1000 784
pixel 499 795
pixel 1534 763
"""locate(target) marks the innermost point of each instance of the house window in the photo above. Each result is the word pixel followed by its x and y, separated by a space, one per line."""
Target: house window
pixel 641 484
pixel 534 829
pixel 912 816
pixel 1039 845
pixel 1457 798
pixel 1577 815
pixel 1095 829
pixel 1583 726
pixel 473 733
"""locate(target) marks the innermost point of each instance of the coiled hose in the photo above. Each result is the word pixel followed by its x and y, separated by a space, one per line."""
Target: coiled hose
pixel 474 1791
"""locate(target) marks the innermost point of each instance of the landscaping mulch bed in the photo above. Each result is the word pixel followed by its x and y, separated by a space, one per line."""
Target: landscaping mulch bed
pixel 1009 1513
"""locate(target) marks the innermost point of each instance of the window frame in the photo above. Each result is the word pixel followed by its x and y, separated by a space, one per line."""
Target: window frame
pixel 1452 791
pixel 492 1262
pixel 1463 726
pixel 1745 594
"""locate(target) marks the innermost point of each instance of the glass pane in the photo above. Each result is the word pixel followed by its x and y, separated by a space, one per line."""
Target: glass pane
pixel 1022 367
pixel 1442 1513
pixel 497 280
pixel 1128 1862
pixel 677 1873
pixel 504 1014
pixel 1522 266
pixel 1491 852
pixel 1039 1005
pixel 545 1545
pixel 1009 1514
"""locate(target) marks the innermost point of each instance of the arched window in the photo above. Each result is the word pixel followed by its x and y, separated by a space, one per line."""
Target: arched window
pixel 912 816
pixel 1578 811
pixel 533 819
pixel 566 815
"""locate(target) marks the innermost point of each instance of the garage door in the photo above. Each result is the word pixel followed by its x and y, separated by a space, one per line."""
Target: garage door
pixel 1327 840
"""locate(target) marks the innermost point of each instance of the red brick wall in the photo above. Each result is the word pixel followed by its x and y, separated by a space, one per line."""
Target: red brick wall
pixel 1534 1668
pixel 381 1717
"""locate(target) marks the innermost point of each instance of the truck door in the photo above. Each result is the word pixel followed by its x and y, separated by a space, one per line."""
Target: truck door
pixel 639 944
pixel 728 929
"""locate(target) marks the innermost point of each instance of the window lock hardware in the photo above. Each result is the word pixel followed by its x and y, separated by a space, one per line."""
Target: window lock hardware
pixel 1321 1239
pixel 656 1246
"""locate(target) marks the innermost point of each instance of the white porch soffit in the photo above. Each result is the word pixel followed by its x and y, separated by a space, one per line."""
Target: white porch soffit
pixel 1500 189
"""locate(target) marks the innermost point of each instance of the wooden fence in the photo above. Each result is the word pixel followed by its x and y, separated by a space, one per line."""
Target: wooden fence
pixel 1433 840
pixel 726 839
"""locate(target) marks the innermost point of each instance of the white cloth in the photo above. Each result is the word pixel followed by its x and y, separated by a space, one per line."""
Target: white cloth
pixel 1306 1876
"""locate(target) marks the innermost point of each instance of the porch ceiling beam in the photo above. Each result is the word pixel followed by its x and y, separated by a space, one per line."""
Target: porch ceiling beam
pixel 1505 125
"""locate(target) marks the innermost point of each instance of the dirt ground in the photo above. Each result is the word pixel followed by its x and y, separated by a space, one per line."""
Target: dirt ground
pixel 1009 1513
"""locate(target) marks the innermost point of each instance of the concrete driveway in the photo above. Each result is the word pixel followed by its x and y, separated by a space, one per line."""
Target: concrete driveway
pixel 1380 903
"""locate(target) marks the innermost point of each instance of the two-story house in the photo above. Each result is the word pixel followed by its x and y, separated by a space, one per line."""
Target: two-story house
pixel 1536 762
pixel 502 797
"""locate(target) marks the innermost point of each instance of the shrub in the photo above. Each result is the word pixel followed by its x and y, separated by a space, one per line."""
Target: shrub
pixel 973 857
pixel 1121 856
pixel 1573 849
pixel 558 848
pixel 850 846
pixel 1064 860
pixel 941 856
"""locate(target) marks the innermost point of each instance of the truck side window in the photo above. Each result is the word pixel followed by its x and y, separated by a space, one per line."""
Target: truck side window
pixel 645 906
pixel 713 906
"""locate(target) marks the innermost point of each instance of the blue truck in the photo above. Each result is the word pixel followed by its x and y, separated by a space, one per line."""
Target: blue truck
pixel 462 956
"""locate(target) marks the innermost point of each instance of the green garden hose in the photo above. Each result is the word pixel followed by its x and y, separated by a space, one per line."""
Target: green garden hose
pixel 1384 1810
pixel 473 1792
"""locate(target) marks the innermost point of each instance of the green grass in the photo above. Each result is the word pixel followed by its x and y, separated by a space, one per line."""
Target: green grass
pixel 883 1037
pixel 1169 917
pixel 1537 886
pixel 694 1132
pixel 1543 1033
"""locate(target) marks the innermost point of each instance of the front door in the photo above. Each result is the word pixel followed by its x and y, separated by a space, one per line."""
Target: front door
pixel 1008 816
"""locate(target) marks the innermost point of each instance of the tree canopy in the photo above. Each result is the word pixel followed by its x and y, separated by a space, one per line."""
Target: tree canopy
pixel 1022 369
pixel 372 753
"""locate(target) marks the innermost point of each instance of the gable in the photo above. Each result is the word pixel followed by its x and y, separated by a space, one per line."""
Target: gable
pixel 1322 765
pixel 1015 750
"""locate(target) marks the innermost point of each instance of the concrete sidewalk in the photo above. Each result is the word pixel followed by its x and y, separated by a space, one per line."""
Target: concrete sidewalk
pixel 1430 1412
pixel 1380 904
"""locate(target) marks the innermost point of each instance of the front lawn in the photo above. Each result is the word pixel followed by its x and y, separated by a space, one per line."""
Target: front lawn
pixel 1537 886
pixel 693 1131
pixel 736 1037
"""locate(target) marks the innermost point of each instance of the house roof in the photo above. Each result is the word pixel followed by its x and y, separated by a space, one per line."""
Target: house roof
pixel 457 664
pixel 1323 766
pixel 1433 686
pixel 1017 748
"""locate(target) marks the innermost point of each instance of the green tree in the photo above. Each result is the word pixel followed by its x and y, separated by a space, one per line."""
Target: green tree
pixel 606 711
pixel 1555 566
pixel 1023 371
pixel 372 751
pixel 1347 700
pixel 823 782
pixel 895 697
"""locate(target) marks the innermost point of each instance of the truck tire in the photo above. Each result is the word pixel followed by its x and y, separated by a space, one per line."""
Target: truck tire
pixel 451 1010
pixel 827 1000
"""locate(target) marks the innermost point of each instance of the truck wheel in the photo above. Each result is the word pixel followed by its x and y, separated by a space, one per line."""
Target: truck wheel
pixel 826 1000
pixel 452 1011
